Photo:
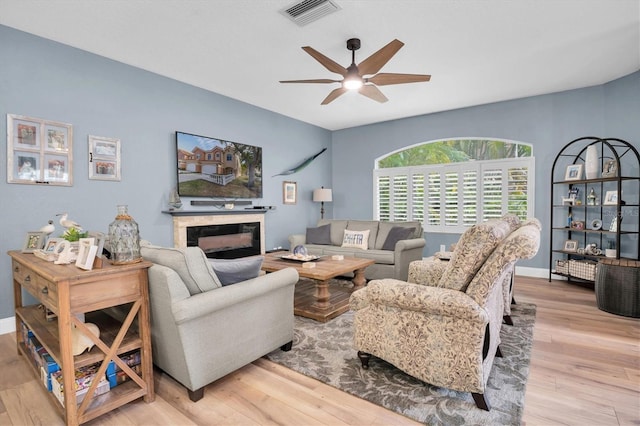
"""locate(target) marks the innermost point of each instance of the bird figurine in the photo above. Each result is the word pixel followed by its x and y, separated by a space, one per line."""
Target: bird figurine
pixel 68 223
pixel 48 228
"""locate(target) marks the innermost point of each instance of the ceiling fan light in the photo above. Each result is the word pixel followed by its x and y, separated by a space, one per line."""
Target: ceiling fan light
pixel 352 83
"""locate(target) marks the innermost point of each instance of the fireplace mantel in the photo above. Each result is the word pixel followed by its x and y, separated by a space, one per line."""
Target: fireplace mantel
pixel 182 219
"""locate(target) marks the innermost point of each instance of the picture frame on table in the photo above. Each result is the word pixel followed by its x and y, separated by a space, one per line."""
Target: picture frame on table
pixel 86 253
pixel 34 240
pixel 570 246
pixel 39 151
pixel 610 198
pixel 289 192
pixel 52 244
pixel 104 158
pixel 610 169
pixel 574 172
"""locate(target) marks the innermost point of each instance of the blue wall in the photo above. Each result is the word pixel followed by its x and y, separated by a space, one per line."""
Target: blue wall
pixel 547 122
pixel 44 79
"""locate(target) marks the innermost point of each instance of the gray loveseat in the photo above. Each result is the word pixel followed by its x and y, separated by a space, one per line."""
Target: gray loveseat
pixel 201 329
pixel 392 260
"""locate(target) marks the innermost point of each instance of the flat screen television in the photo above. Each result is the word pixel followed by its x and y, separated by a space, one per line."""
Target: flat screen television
pixel 215 168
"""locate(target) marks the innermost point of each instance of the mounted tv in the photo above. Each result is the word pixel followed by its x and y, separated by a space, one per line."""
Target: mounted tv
pixel 216 168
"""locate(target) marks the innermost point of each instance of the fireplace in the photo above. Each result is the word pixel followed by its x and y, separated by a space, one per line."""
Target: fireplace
pixel 220 234
pixel 227 241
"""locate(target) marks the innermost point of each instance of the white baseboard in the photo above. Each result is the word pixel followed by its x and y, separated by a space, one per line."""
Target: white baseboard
pixel 526 271
pixel 7 325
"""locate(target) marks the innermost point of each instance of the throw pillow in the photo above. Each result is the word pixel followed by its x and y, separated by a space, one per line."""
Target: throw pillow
pixel 356 239
pixel 396 234
pixel 319 235
pixel 231 271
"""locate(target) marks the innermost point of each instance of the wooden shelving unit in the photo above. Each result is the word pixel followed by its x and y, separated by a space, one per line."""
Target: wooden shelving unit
pixel 68 291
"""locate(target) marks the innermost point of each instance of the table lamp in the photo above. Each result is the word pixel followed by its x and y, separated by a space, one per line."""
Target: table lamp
pixel 320 196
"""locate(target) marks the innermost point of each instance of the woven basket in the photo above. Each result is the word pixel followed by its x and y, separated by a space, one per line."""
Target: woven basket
pixel 584 269
pixel 618 287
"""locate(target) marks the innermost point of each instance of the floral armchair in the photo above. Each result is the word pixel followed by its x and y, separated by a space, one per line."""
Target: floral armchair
pixel 444 328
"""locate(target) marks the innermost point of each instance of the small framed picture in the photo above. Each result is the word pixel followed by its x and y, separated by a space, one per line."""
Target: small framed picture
pixel 99 239
pixel 610 169
pixel 104 158
pixel 34 241
pixel 86 254
pixel 51 245
pixel 570 246
pixel 574 172
pixel 611 198
pixel 289 192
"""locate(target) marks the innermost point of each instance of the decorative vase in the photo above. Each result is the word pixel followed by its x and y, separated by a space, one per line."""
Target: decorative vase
pixel 124 238
pixel 591 162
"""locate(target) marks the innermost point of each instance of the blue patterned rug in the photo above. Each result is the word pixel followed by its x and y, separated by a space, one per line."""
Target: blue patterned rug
pixel 325 352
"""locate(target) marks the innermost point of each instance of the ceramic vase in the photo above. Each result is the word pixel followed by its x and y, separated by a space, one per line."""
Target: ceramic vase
pixel 124 238
pixel 591 162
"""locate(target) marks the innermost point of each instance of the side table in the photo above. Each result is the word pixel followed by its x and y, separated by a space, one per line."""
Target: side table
pixel 618 287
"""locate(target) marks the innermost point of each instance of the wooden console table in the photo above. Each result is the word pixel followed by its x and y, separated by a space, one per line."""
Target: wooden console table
pixel 67 290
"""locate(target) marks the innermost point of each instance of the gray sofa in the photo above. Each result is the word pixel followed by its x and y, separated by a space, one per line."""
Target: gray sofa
pixel 202 330
pixel 391 261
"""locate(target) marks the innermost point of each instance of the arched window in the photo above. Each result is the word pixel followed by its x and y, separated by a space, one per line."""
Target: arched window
pixel 451 184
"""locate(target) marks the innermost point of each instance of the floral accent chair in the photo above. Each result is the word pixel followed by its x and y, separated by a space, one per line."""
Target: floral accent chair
pixel 430 272
pixel 445 333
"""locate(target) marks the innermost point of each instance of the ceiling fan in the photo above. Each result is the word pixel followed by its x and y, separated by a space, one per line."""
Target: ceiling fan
pixel 354 76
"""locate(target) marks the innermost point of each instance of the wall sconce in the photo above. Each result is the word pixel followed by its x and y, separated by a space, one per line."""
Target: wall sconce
pixel 320 196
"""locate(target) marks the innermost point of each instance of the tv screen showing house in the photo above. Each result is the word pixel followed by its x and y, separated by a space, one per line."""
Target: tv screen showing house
pixel 215 168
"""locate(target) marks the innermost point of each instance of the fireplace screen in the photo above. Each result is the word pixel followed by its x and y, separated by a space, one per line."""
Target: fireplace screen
pixel 228 241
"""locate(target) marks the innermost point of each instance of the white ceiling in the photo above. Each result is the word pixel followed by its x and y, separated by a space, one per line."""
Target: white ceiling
pixel 477 51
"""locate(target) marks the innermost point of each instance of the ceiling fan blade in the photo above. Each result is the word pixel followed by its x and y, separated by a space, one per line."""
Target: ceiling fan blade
pixel 373 63
pixel 333 95
pixel 372 92
pixel 384 79
pixel 329 64
pixel 318 80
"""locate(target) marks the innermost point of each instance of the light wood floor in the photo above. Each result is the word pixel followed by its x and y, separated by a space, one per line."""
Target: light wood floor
pixel 585 370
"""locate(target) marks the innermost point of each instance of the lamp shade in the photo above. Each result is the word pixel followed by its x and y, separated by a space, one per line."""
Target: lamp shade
pixel 322 195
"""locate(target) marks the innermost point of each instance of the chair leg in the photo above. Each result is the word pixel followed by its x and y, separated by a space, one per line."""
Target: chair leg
pixel 481 401
pixel 513 300
pixel 507 319
pixel 364 359
pixel 287 346
pixel 498 352
pixel 196 395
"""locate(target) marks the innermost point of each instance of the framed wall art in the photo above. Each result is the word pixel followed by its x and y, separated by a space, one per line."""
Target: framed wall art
pixel 39 151
pixel 104 158
pixel 289 192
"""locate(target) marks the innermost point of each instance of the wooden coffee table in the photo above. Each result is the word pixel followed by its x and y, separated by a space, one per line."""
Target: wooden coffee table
pixel 313 299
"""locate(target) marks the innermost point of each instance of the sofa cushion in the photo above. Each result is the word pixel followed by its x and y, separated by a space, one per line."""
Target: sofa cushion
pixel 385 227
pixel 364 225
pixel 356 239
pixel 473 248
pixel 190 264
pixel 396 234
pixel 319 235
pixel 337 229
pixel 231 271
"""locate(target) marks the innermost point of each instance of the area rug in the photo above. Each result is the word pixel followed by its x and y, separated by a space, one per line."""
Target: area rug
pixel 325 352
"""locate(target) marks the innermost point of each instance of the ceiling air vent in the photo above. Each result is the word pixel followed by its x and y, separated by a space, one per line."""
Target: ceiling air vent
pixel 307 11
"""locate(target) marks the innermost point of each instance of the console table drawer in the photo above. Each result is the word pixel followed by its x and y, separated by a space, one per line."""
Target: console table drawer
pixel 39 287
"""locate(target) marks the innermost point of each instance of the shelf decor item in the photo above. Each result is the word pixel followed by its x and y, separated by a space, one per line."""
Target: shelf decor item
pixel 610 169
pixel 124 238
pixel 574 172
pixel 611 198
pixel 591 162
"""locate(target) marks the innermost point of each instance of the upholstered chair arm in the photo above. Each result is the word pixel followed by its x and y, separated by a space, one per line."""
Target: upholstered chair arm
pixel 432 300
pixel 426 272
pixel 296 240
pixel 203 304
pixel 406 251
pixel 358 299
